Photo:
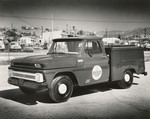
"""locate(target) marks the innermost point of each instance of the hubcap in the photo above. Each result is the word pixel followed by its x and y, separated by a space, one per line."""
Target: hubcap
pixel 127 77
pixel 62 88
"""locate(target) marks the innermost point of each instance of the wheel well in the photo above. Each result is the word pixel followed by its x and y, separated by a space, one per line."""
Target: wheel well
pixel 132 70
pixel 71 75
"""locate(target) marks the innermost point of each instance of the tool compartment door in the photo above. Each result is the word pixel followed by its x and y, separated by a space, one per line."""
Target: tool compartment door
pixel 126 58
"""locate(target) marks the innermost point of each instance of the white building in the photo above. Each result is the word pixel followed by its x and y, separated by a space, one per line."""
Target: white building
pixel 48 36
pixel 26 41
pixel 108 41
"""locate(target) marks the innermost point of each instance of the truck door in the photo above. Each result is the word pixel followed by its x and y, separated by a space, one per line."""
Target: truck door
pixel 96 67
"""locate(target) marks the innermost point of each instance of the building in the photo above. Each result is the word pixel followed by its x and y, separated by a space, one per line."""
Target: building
pixel 111 41
pixel 48 36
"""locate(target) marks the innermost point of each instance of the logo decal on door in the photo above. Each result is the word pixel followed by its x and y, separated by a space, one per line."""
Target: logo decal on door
pixel 96 72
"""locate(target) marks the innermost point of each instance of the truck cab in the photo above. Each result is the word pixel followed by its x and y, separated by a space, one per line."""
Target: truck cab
pixel 75 61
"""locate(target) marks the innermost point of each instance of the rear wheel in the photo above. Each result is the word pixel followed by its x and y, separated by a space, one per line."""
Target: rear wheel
pixel 27 91
pixel 127 80
pixel 61 89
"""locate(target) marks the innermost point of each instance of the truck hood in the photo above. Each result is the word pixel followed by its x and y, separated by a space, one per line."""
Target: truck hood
pixel 47 61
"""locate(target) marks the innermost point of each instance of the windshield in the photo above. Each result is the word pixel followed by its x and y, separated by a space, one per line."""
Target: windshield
pixel 66 46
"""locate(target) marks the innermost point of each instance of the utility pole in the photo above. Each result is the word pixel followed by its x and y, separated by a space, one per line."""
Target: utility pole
pixel 67 28
pixel 12 26
pixel 106 33
pixel 145 32
pixel 41 30
pixel 52 23
pixel 0 10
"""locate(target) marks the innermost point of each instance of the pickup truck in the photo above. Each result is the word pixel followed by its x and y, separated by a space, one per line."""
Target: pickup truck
pixel 76 61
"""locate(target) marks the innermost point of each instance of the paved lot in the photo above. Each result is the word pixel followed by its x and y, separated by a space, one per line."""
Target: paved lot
pixel 98 101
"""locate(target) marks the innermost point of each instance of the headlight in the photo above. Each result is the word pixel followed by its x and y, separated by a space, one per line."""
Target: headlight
pixel 38 65
pixel 39 77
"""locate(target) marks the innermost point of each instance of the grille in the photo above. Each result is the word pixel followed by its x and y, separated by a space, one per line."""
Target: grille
pixel 23 75
pixel 29 76
pixel 23 65
pixel 16 74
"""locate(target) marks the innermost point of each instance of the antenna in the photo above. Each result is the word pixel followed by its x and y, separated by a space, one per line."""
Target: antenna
pixel 52 23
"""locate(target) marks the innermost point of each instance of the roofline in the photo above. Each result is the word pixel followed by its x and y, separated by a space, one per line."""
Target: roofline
pixel 80 38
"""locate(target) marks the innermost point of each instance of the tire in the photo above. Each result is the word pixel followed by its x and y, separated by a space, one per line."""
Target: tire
pixel 127 80
pixel 61 89
pixel 27 91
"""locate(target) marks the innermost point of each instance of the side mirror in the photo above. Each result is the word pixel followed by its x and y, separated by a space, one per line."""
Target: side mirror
pixel 89 52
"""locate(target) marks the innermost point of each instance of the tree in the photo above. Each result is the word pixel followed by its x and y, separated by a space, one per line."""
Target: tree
pixel 13 34
pixel 119 36
pixel 23 27
pixel 81 32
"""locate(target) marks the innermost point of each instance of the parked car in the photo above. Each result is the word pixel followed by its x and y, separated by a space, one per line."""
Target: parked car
pixel 147 47
pixel 15 46
pixel 28 49
pixel 2 46
pixel 37 47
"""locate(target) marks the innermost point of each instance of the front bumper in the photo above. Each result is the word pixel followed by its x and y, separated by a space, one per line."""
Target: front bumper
pixel 144 73
pixel 27 84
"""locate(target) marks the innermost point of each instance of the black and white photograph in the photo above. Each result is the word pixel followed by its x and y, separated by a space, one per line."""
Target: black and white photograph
pixel 74 59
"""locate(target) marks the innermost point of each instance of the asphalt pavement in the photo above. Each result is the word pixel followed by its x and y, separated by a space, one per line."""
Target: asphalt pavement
pixel 101 101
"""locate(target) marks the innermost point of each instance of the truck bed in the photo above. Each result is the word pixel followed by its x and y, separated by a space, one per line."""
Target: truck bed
pixel 122 58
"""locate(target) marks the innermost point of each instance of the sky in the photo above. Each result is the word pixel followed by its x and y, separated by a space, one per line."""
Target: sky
pixel 91 15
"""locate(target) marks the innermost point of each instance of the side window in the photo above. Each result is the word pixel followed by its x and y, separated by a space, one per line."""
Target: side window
pixel 79 46
pixel 93 46
pixel 61 47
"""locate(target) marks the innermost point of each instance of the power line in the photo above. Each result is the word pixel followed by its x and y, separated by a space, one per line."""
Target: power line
pixel 79 20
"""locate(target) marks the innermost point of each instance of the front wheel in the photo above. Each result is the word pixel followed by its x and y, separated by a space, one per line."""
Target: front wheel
pixel 127 80
pixel 27 91
pixel 61 89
